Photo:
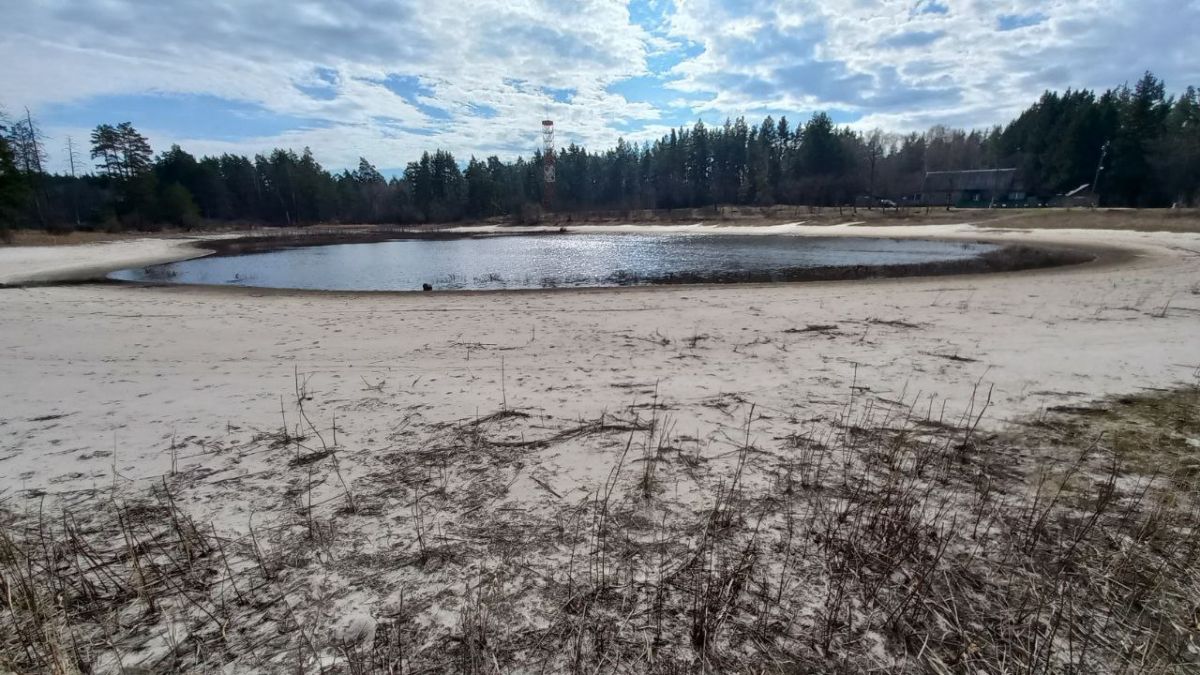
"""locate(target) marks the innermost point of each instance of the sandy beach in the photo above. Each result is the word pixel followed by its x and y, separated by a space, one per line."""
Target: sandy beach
pixel 110 388
pixel 134 367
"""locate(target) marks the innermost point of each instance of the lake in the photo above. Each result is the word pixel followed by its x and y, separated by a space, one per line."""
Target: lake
pixel 551 260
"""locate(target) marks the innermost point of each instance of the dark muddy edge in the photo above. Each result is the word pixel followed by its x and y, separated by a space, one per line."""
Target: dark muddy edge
pixel 1010 257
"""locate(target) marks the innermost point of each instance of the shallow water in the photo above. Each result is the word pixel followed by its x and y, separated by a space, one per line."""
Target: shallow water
pixel 546 261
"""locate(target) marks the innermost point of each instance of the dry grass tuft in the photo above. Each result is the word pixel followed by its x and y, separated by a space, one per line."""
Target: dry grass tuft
pixel 885 539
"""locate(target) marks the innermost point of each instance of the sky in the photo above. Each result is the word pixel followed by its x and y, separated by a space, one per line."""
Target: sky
pixel 387 79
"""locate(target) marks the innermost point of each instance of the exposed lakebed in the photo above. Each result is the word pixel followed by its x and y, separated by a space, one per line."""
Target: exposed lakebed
pixel 530 261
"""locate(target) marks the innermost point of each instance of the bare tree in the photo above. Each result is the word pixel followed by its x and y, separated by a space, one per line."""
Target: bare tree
pixel 72 155
pixel 72 158
pixel 874 147
pixel 29 155
pixel 28 150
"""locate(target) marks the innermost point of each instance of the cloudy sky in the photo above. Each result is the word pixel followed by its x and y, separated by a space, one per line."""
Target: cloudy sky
pixel 386 79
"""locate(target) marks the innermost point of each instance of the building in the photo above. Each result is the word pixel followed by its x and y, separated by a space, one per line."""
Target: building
pixel 978 188
pixel 1081 196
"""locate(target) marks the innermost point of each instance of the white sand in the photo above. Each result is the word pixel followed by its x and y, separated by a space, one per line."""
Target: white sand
pixel 26 264
pixel 104 387
pixel 130 368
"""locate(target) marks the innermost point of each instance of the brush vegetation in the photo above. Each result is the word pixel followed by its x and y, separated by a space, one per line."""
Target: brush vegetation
pixel 893 537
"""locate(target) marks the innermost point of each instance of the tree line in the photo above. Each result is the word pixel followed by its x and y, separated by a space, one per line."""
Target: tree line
pixel 1137 146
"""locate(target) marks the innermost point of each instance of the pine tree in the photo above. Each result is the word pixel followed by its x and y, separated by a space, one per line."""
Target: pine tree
pixel 13 188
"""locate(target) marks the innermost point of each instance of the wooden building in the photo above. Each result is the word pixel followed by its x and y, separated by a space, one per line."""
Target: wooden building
pixel 978 188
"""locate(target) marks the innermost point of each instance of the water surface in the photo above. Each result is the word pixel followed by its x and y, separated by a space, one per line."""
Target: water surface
pixel 547 261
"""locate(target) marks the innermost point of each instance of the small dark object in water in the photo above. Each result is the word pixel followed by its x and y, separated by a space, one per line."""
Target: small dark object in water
pixel 426 287
pixel 562 230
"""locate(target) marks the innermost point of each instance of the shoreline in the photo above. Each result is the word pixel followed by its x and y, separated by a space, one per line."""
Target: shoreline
pixel 136 340
pixel 1097 257
pixel 102 259
pixel 31 266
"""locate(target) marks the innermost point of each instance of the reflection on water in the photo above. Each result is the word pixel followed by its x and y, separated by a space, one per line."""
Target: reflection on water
pixel 533 261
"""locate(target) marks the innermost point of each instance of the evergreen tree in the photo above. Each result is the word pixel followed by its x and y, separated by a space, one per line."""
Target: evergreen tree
pixel 122 151
pixel 177 207
pixel 1176 156
pixel 13 189
pixel 1144 145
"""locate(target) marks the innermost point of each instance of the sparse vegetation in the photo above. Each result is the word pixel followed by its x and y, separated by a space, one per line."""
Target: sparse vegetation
pixel 889 538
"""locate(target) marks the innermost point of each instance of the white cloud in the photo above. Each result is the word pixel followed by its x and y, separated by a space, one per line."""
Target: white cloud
pixel 490 53
pixel 901 64
pixel 954 64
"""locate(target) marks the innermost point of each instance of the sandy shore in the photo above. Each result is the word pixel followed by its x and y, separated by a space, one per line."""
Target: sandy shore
pixel 91 368
pixel 380 461
pixel 40 264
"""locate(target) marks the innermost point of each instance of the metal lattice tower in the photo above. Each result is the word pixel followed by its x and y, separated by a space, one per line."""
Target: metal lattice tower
pixel 548 159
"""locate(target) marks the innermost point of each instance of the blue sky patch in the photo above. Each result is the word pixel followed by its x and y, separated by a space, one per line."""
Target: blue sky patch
pixel 394 128
pixel 182 115
pixel 662 62
pixel 916 38
pixel 644 89
pixel 484 111
pixel 412 89
pixel 562 95
pixel 840 116
pixel 931 7
pixel 1008 22
pixel 323 87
